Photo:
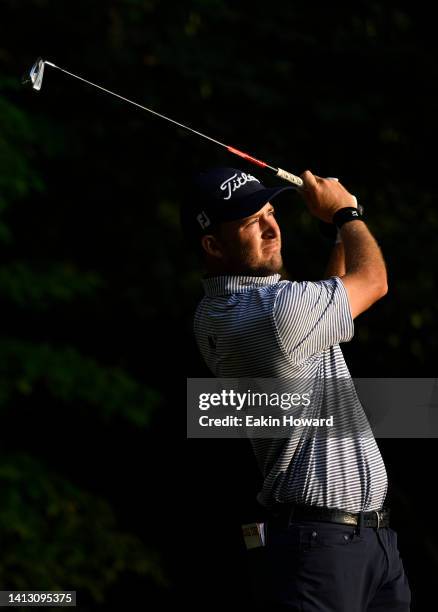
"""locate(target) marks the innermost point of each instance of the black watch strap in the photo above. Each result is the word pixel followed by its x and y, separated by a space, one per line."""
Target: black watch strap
pixel 343 215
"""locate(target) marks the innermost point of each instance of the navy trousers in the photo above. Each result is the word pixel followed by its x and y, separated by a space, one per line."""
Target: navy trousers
pixel 327 567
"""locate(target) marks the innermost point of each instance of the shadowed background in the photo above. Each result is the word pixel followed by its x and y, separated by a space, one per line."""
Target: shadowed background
pixel 101 492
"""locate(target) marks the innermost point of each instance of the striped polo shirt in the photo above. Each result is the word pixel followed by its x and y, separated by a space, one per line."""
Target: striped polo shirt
pixel 268 328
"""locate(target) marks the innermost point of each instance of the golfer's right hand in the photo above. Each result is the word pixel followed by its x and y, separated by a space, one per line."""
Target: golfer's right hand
pixel 325 196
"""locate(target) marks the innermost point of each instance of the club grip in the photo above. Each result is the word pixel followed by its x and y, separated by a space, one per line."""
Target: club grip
pixel 291 178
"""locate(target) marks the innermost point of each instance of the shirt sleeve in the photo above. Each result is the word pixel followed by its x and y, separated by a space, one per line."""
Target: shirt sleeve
pixel 312 316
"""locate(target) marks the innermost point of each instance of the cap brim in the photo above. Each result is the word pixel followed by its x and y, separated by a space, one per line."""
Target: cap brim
pixel 249 206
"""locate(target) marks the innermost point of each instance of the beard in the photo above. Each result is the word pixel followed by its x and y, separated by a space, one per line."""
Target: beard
pixel 247 265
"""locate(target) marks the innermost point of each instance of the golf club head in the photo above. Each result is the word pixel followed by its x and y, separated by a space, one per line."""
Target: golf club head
pixel 35 76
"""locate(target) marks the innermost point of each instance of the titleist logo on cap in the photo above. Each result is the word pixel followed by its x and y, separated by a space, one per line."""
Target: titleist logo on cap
pixel 236 182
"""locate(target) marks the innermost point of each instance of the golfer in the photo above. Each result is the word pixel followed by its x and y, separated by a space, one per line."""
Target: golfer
pixel 328 543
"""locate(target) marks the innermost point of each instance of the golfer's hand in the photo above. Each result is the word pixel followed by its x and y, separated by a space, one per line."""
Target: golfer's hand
pixel 325 196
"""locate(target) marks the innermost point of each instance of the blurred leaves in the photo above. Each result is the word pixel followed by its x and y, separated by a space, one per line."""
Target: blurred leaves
pixel 56 536
pixel 17 138
pixel 28 287
pixel 71 377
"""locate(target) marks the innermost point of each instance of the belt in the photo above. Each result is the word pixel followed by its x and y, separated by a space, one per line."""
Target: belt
pixel 285 513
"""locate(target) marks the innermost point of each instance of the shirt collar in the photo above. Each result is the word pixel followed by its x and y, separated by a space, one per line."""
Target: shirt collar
pixel 225 285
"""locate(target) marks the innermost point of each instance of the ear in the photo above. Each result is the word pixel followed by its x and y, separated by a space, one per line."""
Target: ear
pixel 211 246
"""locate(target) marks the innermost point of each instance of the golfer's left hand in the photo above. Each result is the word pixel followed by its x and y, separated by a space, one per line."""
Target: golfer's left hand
pixel 325 196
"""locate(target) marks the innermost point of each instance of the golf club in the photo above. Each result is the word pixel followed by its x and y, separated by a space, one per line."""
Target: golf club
pixel 35 79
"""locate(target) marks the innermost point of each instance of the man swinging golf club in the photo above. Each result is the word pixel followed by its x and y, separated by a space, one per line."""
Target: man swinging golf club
pixel 328 544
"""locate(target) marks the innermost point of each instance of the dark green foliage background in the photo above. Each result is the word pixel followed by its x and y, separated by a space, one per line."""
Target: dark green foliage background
pixel 97 290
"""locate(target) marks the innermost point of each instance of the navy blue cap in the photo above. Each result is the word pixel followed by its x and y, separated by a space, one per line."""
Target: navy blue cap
pixel 223 194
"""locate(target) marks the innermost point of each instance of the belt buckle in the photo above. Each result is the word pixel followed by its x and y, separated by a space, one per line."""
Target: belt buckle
pixel 377 512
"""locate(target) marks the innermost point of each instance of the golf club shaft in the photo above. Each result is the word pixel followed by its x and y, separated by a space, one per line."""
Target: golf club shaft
pixel 287 176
